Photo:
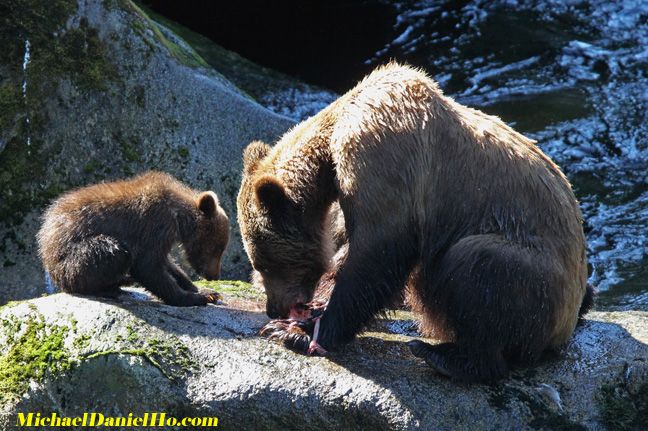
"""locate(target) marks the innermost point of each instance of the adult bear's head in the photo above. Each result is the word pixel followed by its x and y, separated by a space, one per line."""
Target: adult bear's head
pixel 284 237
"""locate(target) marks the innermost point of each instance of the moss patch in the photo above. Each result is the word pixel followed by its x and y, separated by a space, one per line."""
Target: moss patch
pixel 8 305
pixel 92 166
pixel 35 20
pixel 250 78
pixel 77 54
pixel 624 408
pixel 36 348
pixel 82 57
pixel 11 104
pixel 542 417
pixel 129 148
pixel 183 152
pixel 19 165
pixel 169 355
pixel 172 43
pixel 233 288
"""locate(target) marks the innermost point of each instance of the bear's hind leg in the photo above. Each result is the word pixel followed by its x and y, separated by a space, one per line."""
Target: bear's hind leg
pixel 94 266
pixel 497 300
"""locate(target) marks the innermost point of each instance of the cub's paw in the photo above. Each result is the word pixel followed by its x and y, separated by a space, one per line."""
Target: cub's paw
pixel 294 334
pixel 211 296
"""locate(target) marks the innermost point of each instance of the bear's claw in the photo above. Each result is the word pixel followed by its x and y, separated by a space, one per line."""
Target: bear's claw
pixel 426 352
pixel 211 296
pixel 294 334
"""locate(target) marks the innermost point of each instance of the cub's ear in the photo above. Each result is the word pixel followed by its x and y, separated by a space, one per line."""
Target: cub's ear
pixel 270 192
pixel 207 202
pixel 253 153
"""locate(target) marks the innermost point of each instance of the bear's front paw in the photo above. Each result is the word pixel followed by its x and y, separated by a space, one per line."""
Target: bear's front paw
pixel 295 334
pixel 212 296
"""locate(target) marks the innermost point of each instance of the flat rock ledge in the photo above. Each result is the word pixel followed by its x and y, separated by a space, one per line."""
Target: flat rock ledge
pixel 69 354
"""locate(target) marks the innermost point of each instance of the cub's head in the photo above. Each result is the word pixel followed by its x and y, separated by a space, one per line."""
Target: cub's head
pixel 281 239
pixel 208 241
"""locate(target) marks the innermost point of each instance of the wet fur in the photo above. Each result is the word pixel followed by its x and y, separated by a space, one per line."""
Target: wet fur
pixel 99 237
pixel 480 225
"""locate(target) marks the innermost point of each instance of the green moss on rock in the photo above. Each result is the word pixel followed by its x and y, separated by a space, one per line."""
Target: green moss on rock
pixel 81 55
pixel 33 20
pixel 183 152
pixel 82 342
pixel 174 45
pixel 20 163
pixel 623 408
pixel 542 417
pixel 129 148
pixel 168 353
pixel 11 104
pixel 35 348
pixel 92 166
pixel 8 305
pixel 233 288
pixel 75 53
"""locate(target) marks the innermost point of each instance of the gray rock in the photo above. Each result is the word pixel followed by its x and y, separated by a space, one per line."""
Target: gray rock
pixel 106 92
pixel 70 355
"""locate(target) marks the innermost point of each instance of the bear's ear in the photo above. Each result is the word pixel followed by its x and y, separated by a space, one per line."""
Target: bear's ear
pixel 207 202
pixel 270 192
pixel 253 153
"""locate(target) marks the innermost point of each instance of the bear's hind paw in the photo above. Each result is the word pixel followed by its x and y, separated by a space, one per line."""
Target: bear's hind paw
pixel 460 362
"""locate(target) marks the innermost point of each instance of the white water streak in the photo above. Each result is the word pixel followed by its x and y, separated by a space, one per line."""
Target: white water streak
pixel 26 59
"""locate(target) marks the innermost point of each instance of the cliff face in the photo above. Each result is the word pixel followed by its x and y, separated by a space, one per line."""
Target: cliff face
pixel 96 90
pixel 70 355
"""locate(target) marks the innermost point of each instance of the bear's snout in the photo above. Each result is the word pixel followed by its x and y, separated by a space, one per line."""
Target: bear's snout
pixel 212 271
pixel 212 277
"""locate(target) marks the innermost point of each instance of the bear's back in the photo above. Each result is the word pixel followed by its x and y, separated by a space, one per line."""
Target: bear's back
pixel 120 208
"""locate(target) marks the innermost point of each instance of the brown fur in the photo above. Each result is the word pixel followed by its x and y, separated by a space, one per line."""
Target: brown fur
pixel 482 225
pixel 96 238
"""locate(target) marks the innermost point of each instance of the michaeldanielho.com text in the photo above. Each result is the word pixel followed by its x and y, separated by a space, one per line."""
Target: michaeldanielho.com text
pixel 100 420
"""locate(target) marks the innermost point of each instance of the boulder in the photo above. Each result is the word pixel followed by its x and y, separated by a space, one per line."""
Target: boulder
pixel 71 355
pixel 97 90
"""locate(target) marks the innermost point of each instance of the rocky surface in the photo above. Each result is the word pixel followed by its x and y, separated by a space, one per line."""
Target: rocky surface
pixel 96 90
pixel 70 355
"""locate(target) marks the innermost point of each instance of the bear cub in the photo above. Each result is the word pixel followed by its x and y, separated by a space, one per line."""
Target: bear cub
pixel 97 238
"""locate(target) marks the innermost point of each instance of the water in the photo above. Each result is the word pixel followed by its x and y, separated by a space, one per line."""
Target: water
pixel 570 74
pixel 26 60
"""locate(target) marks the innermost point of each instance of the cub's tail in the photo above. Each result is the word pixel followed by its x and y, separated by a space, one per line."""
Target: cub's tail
pixel 588 301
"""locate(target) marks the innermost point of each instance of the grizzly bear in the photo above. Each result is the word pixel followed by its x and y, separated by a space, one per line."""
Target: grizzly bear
pixel 97 238
pixel 440 200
